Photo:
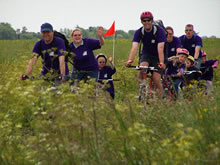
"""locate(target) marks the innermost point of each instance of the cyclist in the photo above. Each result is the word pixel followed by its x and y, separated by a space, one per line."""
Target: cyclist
pixel 52 51
pixel 193 43
pixel 106 72
pixel 176 67
pixel 85 64
pixel 173 42
pixel 153 49
pixel 207 67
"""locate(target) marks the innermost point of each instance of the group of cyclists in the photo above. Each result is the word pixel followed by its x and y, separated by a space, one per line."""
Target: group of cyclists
pixel 172 56
pixel 169 54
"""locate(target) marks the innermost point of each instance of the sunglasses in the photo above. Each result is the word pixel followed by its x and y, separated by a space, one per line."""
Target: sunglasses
pixel 101 62
pixel 188 30
pixel 146 20
pixel 77 35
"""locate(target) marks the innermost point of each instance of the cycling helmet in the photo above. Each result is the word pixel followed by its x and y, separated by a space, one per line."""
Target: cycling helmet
pixel 101 55
pixel 191 58
pixel 146 14
pixel 183 51
pixel 203 54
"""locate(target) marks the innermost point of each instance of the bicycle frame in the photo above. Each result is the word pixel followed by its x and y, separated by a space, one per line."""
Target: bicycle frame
pixel 145 90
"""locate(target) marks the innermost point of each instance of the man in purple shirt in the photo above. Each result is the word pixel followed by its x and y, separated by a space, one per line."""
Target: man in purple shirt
pixel 173 42
pixel 52 51
pixel 153 39
pixel 193 43
pixel 84 61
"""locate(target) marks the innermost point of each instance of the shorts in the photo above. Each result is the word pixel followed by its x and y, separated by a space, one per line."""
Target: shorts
pixel 153 62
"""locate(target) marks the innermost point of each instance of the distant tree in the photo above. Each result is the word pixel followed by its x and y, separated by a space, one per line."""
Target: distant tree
pixel 27 36
pixel 24 30
pixel 213 36
pixel 18 33
pixel 7 32
pixel 121 34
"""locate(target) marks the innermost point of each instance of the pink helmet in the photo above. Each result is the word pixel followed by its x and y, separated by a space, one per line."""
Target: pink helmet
pixel 146 14
pixel 183 51
pixel 203 54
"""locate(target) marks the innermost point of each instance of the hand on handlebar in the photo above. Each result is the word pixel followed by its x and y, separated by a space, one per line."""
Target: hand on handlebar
pixel 24 77
pixel 162 66
pixel 128 63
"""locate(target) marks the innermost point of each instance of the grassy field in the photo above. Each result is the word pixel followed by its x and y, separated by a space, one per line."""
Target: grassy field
pixel 40 126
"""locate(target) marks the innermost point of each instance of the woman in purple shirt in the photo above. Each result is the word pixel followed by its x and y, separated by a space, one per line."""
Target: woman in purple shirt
pixel 173 42
pixel 176 67
pixel 85 64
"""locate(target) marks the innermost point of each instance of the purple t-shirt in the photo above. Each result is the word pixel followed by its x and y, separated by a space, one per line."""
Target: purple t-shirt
pixel 207 70
pixel 84 59
pixel 173 70
pixel 190 44
pixel 150 40
pixel 50 54
pixel 106 73
pixel 172 46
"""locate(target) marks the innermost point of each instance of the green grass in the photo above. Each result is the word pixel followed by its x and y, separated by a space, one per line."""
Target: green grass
pixel 40 126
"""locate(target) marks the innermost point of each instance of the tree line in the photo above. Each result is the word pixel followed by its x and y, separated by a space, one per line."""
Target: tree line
pixel 7 32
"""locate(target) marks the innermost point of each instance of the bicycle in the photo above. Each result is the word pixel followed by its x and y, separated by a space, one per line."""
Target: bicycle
pixel 145 89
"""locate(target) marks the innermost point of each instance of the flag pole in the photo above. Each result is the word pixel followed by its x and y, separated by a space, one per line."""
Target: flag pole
pixel 113 49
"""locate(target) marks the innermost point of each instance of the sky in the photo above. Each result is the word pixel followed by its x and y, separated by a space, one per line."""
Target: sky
pixel 203 14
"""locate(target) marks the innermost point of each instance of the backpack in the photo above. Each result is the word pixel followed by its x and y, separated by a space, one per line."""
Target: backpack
pixel 62 36
pixel 156 24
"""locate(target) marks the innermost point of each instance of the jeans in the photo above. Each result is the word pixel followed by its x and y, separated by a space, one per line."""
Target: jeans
pixel 177 82
pixel 84 75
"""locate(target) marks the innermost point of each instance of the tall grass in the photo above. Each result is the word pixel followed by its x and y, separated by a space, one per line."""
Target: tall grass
pixel 40 125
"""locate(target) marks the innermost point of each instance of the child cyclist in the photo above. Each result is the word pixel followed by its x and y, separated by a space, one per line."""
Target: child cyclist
pixel 192 73
pixel 106 72
pixel 207 71
pixel 176 67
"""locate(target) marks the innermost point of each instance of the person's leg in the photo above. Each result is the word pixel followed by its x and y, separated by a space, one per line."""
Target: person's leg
pixel 157 83
pixel 141 72
pixel 177 83
pixel 208 86
pixel 92 75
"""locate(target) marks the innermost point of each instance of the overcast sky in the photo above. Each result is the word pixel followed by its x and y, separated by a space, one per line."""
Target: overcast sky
pixel 203 14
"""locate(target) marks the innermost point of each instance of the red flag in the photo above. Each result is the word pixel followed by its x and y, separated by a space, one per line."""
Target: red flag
pixel 110 31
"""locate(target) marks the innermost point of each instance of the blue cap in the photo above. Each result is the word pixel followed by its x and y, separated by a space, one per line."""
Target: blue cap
pixel 46 27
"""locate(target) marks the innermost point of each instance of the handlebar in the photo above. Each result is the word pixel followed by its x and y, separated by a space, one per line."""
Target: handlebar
pixel 190 72
pixel 116 79
pixel 143 67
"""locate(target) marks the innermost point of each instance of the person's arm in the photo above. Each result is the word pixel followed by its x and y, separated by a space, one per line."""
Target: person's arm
pixel 198 47
pixel 180 73
pixel 197 50
pixel 32 62
pixel 62 65
pixel 133 53
pixel 215 65
pixel 160 48
pixel 100 32
pixel 111 62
